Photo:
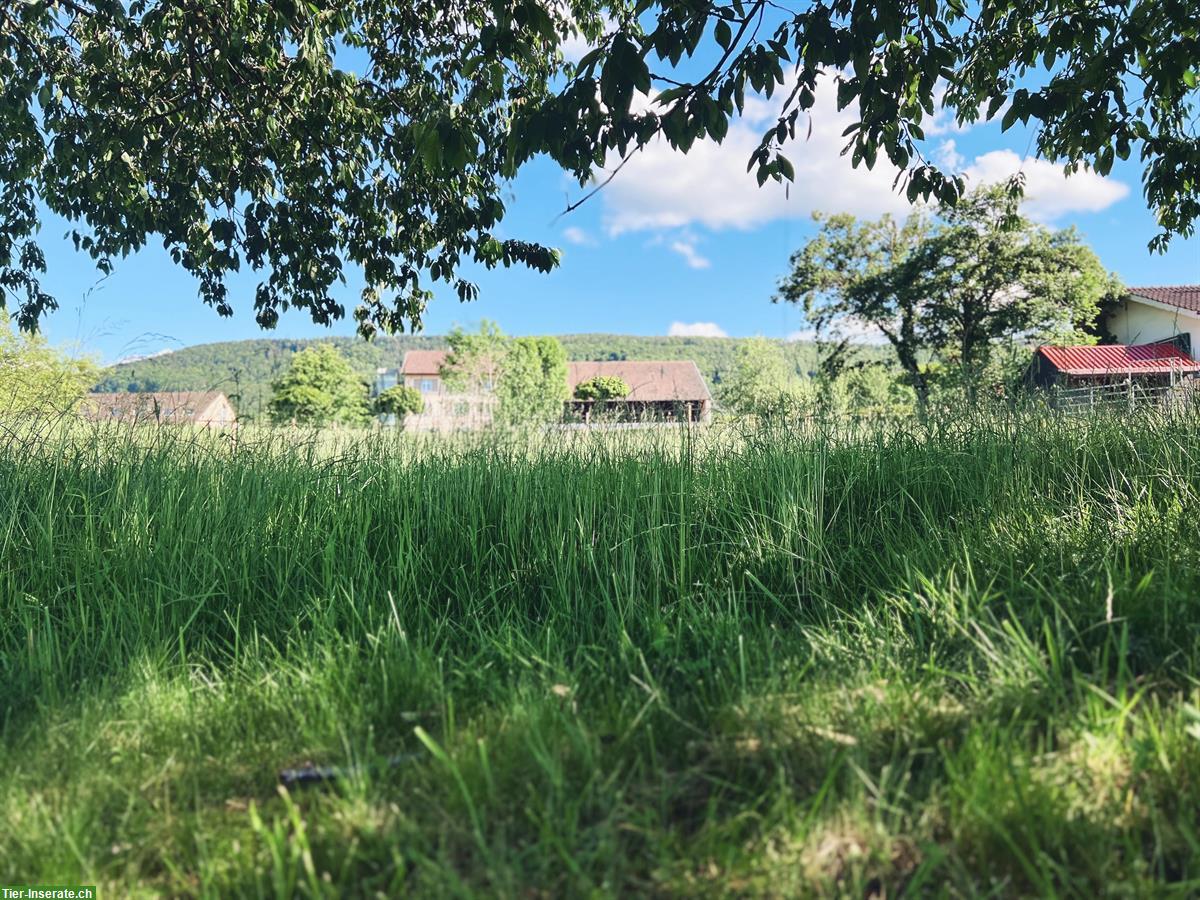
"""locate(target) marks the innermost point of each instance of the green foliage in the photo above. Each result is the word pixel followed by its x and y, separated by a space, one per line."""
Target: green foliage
pixel 602 387
pixel 320 388
pixel 955 291
pixel 257 149
pixel 37 379
pixel 960 662
pixel 399 401
pixel 1093 86
pixel 527 374
pixel 761 383
pixel 533 381
pixel 475 359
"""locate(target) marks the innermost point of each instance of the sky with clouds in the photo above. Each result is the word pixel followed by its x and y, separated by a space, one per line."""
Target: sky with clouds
pixel 675 244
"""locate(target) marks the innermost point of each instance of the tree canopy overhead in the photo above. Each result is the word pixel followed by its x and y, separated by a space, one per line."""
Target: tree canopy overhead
pixel 300 138
pixel 234 132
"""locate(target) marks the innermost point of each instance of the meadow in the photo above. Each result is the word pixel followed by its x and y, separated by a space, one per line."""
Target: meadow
pixel 954 661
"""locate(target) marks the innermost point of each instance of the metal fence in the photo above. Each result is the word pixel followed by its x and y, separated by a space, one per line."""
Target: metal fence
pixel 1129 394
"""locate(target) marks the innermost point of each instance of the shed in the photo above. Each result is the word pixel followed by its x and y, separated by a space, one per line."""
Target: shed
pixel 1111 372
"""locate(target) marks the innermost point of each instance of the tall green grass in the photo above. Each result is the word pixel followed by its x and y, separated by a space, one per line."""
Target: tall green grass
pixel 788 663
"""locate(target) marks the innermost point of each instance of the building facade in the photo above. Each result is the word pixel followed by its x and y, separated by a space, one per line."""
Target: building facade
pixel 208 409
pixel 445 410
pixel 1149 315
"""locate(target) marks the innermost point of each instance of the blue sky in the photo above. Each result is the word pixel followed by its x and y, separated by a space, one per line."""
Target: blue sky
pixel 683 244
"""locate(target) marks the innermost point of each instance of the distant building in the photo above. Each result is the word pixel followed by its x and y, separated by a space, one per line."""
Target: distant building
pixel 210 409
pixel 672 390
pixel 658 390
pixel 445 410
pixel 1153 314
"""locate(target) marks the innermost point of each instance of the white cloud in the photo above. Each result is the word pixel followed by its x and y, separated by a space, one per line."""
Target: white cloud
pixel 948 157
pixel 686 247
pixel 696 329
pixel 710 186
pixel 578 236
pixel 661 188
pixel 1049 193
pixel 575 47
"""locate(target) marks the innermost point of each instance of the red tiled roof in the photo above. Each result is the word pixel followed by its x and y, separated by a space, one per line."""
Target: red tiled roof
pixel 423 362
pixel 1120 359
pixel 1183 296
pixel 648 381
pixel 175 407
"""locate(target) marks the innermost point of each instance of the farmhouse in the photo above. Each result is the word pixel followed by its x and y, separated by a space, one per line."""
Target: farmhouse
pixel 672 389
pixel 1152 314
pixel 1157 329
pixel 210 409
pixel 444 410
pixel 1108 373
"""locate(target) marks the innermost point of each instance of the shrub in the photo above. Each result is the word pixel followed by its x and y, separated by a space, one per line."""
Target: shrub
pixel 399 400
pixel 602 387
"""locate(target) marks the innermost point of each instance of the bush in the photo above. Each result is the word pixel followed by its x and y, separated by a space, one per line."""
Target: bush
pixel 399 400
pixel 602 387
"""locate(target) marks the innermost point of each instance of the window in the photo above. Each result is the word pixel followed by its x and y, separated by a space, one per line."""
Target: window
pixel 426 385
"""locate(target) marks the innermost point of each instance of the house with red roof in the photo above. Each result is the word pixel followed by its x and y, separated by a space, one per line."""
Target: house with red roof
pixel 1157 330
pixel 209 409
pixel 1147 315
pixel 666 390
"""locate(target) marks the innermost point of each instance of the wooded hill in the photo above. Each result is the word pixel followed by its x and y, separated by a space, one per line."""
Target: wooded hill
pixel 244 369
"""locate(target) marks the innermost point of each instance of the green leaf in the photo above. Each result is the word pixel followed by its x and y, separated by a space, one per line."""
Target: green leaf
pixel 724 34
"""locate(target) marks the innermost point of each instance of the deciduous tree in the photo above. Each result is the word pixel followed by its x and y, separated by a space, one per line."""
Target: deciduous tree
pixel 602 387
pixel 761 382
pixel 319 388
pixel 473 364
pixel 35 378
pixel 533 380
pixel 949 288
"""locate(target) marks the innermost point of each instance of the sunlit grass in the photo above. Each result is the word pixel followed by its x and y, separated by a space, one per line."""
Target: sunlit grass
pixel 769 661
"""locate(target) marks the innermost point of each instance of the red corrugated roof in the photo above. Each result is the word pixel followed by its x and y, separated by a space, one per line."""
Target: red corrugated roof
pixel 1119 359
pixel 1181 296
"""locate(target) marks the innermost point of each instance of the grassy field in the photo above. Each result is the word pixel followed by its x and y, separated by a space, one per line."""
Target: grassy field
pixel 960 663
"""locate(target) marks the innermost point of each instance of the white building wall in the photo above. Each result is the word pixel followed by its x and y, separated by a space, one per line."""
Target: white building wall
pixel 1136 322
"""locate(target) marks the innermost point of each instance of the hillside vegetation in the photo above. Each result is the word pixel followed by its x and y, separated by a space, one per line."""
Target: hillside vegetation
pixel 248 367
pixel 961 662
